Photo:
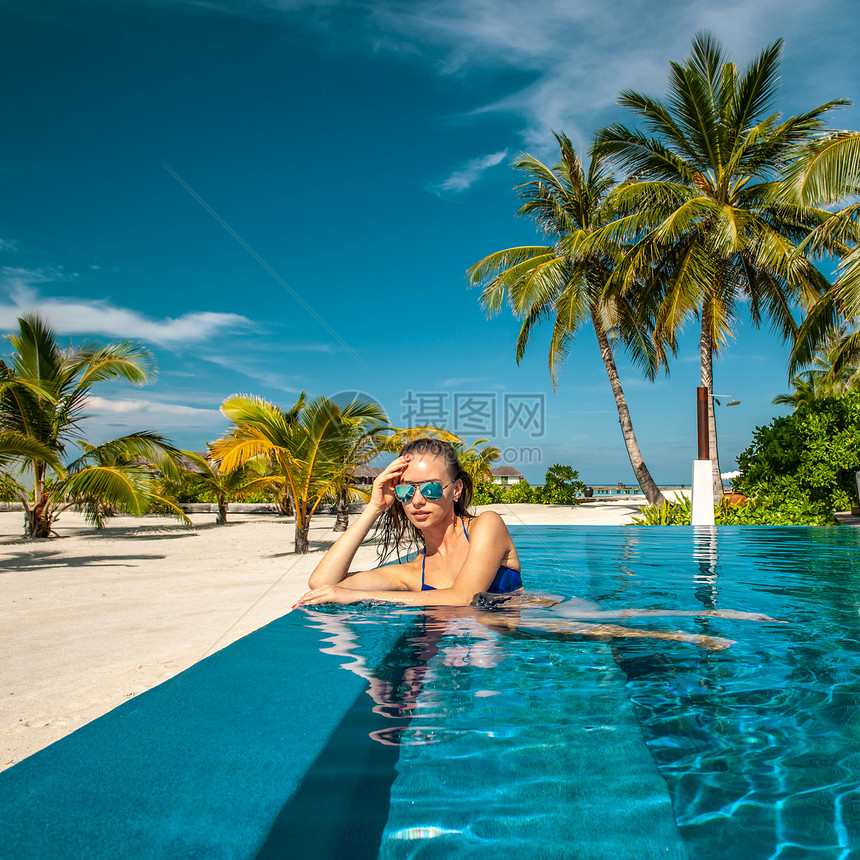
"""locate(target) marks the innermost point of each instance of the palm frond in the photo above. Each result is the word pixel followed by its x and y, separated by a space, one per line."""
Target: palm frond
pixel 15 445
pixel 124 488
pixel 827 171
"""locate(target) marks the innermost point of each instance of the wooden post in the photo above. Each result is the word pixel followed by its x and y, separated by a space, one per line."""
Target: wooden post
pixel 702 422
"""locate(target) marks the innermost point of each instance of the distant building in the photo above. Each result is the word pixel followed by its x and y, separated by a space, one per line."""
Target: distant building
pixel 506 475
pixel 365 475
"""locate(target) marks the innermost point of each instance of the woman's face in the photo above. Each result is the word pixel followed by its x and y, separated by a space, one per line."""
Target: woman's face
pixel 425 512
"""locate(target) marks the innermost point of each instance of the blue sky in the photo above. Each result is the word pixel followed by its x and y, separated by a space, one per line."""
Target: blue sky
pixel 283 196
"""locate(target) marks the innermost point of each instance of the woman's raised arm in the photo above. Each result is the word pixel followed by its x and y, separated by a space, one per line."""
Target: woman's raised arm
pixel 334 567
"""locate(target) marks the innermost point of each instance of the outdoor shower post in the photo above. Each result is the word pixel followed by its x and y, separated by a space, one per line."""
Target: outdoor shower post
pixel 702 422
pixel 703 482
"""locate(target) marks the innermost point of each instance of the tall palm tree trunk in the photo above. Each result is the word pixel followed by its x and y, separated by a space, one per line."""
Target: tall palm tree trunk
pixel 706 352
pixel 643 476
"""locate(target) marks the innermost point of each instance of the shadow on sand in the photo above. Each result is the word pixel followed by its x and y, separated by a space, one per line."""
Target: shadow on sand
pixel 51 558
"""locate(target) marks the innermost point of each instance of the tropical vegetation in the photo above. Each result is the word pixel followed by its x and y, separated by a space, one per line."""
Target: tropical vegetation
pixel 202 480
pixel 561 486
pixel 477 460
pixel 43 396
pixel 798 470
pixel 829 374
pixel 364 434
pixel 565 281
pixel 828 174
pixel 298 448
pixel 709 228
pixel 309 453
pixel 804 463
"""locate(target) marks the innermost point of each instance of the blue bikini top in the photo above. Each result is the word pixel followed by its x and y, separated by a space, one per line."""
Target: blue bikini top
pixel 505 581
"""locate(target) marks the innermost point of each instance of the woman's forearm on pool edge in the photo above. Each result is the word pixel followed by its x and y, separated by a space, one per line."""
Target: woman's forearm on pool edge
pixel 345 595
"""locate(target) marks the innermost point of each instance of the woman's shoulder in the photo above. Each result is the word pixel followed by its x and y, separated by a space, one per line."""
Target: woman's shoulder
pixel 487 521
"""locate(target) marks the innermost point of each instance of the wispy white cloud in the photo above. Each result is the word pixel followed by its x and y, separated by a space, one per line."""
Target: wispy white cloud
pixel 466 176
pixel 108 418
pixel 576 54
pixel 9 244
pixel 75 316
pixel 257 367
pixel 151 409
pixel 580 53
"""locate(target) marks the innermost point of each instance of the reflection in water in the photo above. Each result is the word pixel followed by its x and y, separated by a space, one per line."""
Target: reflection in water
pixel 705 555
pixel 453 636
pixel 448 636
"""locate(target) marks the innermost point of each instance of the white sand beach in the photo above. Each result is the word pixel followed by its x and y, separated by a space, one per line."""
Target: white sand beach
pixel 92 618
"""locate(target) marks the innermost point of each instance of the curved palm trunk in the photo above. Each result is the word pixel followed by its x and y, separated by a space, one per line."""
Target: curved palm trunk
pixel 643 476
pixel 706 351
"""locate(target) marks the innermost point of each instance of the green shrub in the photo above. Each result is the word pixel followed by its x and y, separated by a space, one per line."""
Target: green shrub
pixel 678 513
pixel 791 511
pixel 192 489
pixel 561 486
pixel 521 493
pixel 800 468
pixel 488 493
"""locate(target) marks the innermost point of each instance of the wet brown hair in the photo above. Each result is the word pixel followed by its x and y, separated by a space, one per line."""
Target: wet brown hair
pixel 394 530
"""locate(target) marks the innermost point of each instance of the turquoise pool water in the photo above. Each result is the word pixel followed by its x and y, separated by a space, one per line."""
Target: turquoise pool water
pixel 759 745
pixel 389 733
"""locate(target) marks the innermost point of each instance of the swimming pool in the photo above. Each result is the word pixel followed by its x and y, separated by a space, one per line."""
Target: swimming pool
pixel 392 733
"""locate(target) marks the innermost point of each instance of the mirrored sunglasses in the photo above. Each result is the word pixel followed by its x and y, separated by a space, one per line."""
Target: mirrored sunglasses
pixel 430 490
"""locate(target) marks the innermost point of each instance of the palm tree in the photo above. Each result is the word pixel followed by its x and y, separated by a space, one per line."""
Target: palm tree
pixel 300 447
pixel 806 390
pixel 702 210
pixel 827 174
pixel 565 280
pixel 237 483
pixel 477 462
pixel 831 372
pixel 363 435
pixel 133 463
pixel 43 394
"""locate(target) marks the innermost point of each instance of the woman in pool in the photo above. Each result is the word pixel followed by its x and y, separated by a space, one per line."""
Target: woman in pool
pixel 422 497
